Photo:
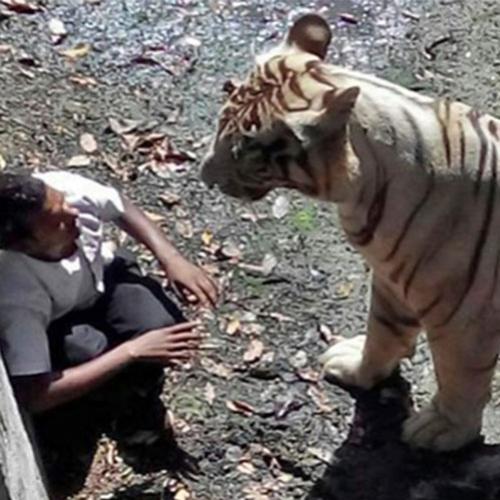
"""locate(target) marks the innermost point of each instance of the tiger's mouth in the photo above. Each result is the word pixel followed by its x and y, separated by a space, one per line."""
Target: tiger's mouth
pixel 247 193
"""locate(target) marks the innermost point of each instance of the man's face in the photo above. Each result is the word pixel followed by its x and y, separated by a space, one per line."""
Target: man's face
pixel 54 232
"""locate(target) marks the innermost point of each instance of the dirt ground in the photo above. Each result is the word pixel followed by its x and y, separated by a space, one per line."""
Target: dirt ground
pixel 144 79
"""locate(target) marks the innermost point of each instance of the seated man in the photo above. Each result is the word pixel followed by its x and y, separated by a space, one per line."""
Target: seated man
pixel 72 316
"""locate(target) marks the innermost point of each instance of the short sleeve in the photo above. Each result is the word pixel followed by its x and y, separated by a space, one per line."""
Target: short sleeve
pixel 105 199
pixel 24 342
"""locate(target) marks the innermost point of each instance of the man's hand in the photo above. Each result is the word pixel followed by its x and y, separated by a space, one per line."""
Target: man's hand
pixel 183 275
pixel 167 345
pixel 186 278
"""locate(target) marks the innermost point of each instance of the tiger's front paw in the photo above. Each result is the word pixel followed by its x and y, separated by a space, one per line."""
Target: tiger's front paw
pixel 343 362
pixel 432 429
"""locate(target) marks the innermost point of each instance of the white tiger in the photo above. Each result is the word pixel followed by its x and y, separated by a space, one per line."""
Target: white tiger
pixel 415 181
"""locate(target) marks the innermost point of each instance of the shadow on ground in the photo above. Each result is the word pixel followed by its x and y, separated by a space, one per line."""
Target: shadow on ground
pixel 373 464
pixel 129 412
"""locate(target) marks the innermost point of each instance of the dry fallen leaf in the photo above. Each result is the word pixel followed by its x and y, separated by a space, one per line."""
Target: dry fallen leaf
pixel 84 81
pixel 169 199
pixel 269 262
pixel 348 18
pixel 176 424
pixel 78 51
pixel 88 143
pixel 308 375
pixel 233 326
pixel 184 228
pixel 246 467
pixel 280 317
pixel 229 250
pixel 254 351
pixel 21 7
pixel 320 399
pixel 322 455
pixel 217 369
pixel 207 237
pixel 122 126
pixel 79 161
pixel 114 165
pixel 240 407
pixel 182 494
pixel 344 290
pixel 156 218
pixel 27 59
pixel 326 333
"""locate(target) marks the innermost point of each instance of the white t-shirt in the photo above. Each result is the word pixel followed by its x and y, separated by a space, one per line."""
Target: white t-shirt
pixel 33 292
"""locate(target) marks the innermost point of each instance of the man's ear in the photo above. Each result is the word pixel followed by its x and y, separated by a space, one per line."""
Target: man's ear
pixel 310 33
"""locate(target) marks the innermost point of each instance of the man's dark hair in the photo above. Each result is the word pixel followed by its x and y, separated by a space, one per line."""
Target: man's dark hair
pixel 21 196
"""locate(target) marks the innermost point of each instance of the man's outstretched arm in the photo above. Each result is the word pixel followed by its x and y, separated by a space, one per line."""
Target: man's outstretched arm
pixel 178 269
pixel 173 344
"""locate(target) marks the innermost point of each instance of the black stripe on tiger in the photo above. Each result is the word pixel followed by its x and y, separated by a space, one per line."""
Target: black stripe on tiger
pixel 395 317
pixel 481 240
pixel 375 213
pixel 419 150
pixel 462 147
pixel 473 117
pixel 418 207
pixel 393 326
pixel 269 75
pixel 425 311
pixel 492 127
pixel 487 368
pixel 433 247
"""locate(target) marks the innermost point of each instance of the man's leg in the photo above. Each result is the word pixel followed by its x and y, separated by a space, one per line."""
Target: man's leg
pixel 74 341
pixel 132 305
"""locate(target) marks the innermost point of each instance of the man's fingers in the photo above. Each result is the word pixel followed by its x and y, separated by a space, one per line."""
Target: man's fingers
pixel 199 294
pixel 184 346
pixel 181 327
pixel 206 292
pixel 184 336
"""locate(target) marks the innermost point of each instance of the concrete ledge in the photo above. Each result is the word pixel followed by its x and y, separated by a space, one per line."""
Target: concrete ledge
pixel 20 474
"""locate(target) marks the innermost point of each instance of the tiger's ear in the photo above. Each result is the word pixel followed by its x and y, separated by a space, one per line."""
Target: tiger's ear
pixel 338 106
pixel 310 33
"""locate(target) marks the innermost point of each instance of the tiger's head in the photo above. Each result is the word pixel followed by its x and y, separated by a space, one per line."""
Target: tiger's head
pixel 286 124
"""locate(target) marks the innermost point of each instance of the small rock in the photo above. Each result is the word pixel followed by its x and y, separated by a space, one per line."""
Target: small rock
pixel 281 207
pixel 299 359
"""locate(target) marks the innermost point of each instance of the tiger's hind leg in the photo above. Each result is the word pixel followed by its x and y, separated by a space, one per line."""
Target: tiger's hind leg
pixel 365 360
pixel 464 368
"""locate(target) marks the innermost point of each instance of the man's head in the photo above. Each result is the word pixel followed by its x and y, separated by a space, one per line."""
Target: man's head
pixel 35 219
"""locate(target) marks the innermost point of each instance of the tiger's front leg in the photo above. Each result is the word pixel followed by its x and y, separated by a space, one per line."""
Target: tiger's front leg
pixel 363 361
pixel 464 368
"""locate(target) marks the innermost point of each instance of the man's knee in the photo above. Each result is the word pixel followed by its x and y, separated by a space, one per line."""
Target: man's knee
pixel 83 344
pixel 136 309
